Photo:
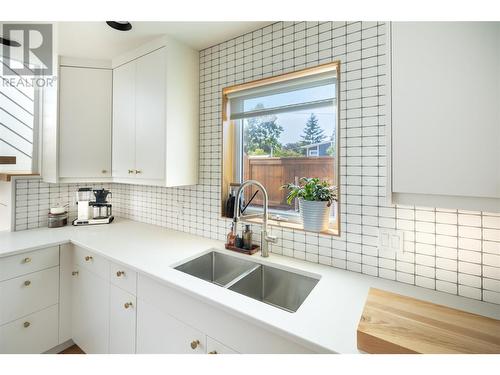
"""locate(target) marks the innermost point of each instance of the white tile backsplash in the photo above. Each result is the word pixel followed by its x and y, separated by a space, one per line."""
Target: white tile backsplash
pixel 453 251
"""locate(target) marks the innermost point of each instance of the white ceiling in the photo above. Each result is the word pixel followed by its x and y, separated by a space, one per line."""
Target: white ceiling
pixel 98 41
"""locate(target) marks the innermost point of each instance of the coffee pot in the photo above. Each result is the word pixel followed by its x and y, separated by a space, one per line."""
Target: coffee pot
pixel 101 195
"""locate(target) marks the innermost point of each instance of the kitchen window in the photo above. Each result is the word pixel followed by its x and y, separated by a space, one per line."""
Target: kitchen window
pixel 277 130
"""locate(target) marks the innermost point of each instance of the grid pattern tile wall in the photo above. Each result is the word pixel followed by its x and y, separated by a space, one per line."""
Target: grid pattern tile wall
pixel 453 251
pixel 34 197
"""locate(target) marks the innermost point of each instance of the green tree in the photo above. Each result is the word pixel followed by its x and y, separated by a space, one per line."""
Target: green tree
pixel 292 149
pixel 331 151
pixel 262 133
pixel 312 131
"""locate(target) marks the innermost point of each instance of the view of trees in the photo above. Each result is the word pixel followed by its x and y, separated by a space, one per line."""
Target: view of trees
pixel 262 136
pixel 312 131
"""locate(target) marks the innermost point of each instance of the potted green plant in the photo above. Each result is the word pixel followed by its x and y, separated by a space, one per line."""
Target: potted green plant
pixel 315 199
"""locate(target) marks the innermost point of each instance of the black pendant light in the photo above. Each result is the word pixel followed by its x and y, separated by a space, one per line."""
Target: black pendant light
pixel 10 43
pixel 120 25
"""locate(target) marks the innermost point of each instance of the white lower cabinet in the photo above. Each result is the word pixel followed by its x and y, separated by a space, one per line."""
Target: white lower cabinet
pixel 169 321
pixel 90 311
pixel 29 301
pixel 108 308
pixel 122 321
pixel 158 332
pixel 31 334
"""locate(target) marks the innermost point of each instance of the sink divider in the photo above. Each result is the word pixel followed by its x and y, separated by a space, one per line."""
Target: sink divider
pixel 241 276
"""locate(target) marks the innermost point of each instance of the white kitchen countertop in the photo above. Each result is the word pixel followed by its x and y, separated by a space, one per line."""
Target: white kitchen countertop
pixel 326 321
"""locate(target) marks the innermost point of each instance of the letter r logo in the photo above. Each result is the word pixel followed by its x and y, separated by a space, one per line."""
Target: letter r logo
pixel 34 56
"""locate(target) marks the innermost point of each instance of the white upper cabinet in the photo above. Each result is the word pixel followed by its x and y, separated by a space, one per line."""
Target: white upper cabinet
pixel 155 115
pixel 150 115
pixel 445 114
pixel 124 120
pixel 75 122
pixel 85 123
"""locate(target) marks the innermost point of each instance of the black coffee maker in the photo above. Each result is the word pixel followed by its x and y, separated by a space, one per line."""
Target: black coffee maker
pixel 101 207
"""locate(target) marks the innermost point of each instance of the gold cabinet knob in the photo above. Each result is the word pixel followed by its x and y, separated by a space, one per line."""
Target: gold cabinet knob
pixel 26 260
pixel 120 273
pixel 213 352
pixel 128 305
pixel 26 324
pixel 74 273
pixel 104 171
pixel 130 171
pixel 138 171
pixel 194 344
pixel 27 283
pixel 88 258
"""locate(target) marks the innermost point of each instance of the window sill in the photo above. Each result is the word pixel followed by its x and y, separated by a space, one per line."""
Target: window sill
pixel 332 231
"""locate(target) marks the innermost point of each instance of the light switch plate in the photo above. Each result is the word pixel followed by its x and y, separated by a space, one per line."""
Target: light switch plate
pixel 390 240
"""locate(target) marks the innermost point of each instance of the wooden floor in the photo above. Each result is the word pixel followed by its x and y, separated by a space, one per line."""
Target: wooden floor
pixel 72 350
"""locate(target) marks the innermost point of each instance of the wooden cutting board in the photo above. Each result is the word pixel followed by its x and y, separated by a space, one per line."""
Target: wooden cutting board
pixel 392 324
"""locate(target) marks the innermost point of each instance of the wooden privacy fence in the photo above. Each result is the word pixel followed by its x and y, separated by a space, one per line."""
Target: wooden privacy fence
pixel 273 172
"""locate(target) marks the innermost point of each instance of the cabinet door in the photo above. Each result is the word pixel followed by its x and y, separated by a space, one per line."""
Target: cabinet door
pixel 122 310
pixel 150 116
pixel 124 120
pixel 85 122
pixel 445 114
pixel 90 312
pixel 158 332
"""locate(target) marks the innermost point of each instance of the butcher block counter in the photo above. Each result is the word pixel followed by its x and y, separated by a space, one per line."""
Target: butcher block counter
pixel 392 323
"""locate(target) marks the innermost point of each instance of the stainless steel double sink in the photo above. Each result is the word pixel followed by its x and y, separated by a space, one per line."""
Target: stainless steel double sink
pixel 276 287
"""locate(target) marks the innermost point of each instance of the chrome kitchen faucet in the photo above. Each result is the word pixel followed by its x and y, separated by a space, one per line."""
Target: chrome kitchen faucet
pixel 264 237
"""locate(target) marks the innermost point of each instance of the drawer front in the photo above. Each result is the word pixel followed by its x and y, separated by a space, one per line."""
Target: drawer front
pixel 122 310
pixel 215 347
pixel 29 293
pixel 92 262
pixel 25 263
pixel 32 334
pixel 123 277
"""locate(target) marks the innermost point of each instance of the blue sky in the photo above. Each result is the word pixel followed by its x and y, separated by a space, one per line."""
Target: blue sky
pixel 293 122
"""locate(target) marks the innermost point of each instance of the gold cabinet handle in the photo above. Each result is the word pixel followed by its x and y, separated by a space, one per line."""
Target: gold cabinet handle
pixel 138 171
pixel 213 352
pixel 74 273
pixel 88 258
pixel 128 305
pixel 120 273
pixel 26 324
pixel 26 260
pixel 27 283
pixel 104 171
pixel 130 171
pixel 194 344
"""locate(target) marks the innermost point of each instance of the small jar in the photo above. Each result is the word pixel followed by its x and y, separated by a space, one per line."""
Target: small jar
pixel 58 220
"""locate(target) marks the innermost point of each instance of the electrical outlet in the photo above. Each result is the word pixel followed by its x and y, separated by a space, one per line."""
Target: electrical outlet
pixel 390 240
pixel 178 208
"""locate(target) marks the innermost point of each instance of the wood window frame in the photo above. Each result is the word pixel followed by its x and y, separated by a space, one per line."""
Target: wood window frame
pixel 228 144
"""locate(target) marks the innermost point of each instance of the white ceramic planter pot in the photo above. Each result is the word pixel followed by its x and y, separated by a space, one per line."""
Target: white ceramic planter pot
pixel 315 215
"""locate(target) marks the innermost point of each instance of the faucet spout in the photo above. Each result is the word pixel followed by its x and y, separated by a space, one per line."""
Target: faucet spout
pixel 265 238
